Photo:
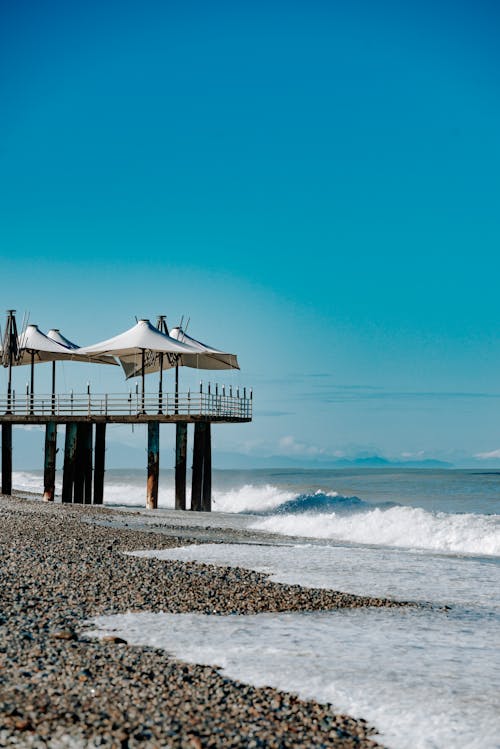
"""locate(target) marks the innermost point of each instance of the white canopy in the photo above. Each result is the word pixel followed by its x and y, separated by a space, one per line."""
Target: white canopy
pixel 56 335
pixel 141 337
pixel 207 356
pixel 33 344
pixel 200 356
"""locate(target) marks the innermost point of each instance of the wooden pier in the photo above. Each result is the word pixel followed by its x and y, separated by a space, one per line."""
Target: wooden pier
pixel 85 418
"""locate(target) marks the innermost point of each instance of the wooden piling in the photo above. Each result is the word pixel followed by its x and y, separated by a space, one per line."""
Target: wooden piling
pixel 6 458
pixel 153 464
pixel 206 498
pixel 87 464
pixel 79 476
pixel 198 460
pixel 49 472
pixel 180 465
pixel 69 462
pixel 99 459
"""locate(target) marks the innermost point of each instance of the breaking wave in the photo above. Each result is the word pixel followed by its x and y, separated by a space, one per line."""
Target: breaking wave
pixel 404 527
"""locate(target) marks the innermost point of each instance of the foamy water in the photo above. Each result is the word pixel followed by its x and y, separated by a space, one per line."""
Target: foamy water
pixel 403 672
pixel 408 527
pixel 427 679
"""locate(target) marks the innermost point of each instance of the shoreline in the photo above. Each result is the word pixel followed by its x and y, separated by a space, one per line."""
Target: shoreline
pixel 64 564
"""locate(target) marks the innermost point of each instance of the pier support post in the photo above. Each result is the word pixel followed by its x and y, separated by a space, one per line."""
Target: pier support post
pixel 49 472
pixel 79 475
pixel 87 464
pixel 206 499
pixel 69 462
pixel 198 460
pixel 153 464
pixel 7 458
pixel 180 465
pixel 99 458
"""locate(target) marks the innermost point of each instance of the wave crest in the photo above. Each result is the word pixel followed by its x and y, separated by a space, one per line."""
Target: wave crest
pixel 405 527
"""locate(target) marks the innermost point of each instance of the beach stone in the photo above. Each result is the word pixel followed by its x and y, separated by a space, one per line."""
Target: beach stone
pixel 64 634
pixel 60 567
pixel 114 640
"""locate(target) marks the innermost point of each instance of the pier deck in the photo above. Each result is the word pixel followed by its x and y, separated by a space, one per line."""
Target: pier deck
pixel 126 409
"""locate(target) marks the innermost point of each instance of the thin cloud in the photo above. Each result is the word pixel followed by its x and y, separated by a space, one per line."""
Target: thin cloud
pixel 488 456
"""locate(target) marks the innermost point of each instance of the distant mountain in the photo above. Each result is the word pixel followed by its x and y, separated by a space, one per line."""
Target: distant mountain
pixel 239 460
pixel 29 445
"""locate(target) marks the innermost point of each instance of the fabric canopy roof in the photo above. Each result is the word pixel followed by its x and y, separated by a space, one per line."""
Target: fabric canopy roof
pixel 207 356
pixel 33 342
pixel 199 356
pixel 56 335
pixel 141 337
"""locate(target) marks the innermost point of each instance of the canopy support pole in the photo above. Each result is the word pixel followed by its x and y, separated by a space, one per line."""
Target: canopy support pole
pixel 53 387
pixel 181 430
pixel 99 460
pixel 176 410
pixel 49 472
pixel 143 356
pixel 11 339
pixel 160 387
pixel 6 458
pixel 153 465
pixel 32 384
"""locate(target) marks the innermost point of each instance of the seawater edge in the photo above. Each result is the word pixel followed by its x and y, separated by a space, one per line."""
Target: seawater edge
pixel 60 570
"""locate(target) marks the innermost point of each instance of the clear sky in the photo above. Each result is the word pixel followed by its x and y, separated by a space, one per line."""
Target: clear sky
pixel 315 184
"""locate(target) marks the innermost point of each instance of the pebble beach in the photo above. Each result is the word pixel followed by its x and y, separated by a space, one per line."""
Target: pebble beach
pixel 61 565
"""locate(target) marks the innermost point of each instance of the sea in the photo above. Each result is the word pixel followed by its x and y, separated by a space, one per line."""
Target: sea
pixel 426 677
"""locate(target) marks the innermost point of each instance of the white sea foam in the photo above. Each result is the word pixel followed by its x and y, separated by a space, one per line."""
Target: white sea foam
pixel 423 682
pixel 406 527
pixel 129 490
pixel 250 498
pixel 371 571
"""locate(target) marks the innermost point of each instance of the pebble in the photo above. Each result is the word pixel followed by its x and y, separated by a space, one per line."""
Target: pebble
pixel 60 566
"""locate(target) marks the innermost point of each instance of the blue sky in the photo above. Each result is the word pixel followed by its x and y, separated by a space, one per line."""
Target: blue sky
pixel 316 185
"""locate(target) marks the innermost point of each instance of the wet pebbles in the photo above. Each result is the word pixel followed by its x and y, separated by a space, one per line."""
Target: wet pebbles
pixel 57 689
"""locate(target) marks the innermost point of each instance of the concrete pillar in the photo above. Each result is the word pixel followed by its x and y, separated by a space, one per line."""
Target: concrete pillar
pixel 49 468
pixel 99 459
pixel 69 462
pixel 79 475
pixel 206 498
pixel 153 465
pixel 198 460
pixel 6 458
pixel 180 465
pixel 87 464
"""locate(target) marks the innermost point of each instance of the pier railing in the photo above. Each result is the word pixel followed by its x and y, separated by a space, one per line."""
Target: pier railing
pixel 211 405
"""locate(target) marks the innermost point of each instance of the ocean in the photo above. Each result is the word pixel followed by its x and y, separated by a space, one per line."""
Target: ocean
pixel 426 677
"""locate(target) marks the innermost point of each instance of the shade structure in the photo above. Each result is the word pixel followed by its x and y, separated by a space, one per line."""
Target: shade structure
pixel 144 341
pixel 56 335
pixel 34 347
pixel 199 356
pixel 32 343
pixel 207 357
pixel 141 337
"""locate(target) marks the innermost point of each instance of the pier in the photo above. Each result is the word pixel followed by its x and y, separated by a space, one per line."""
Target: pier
pixel 140 350
pixel 85 417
